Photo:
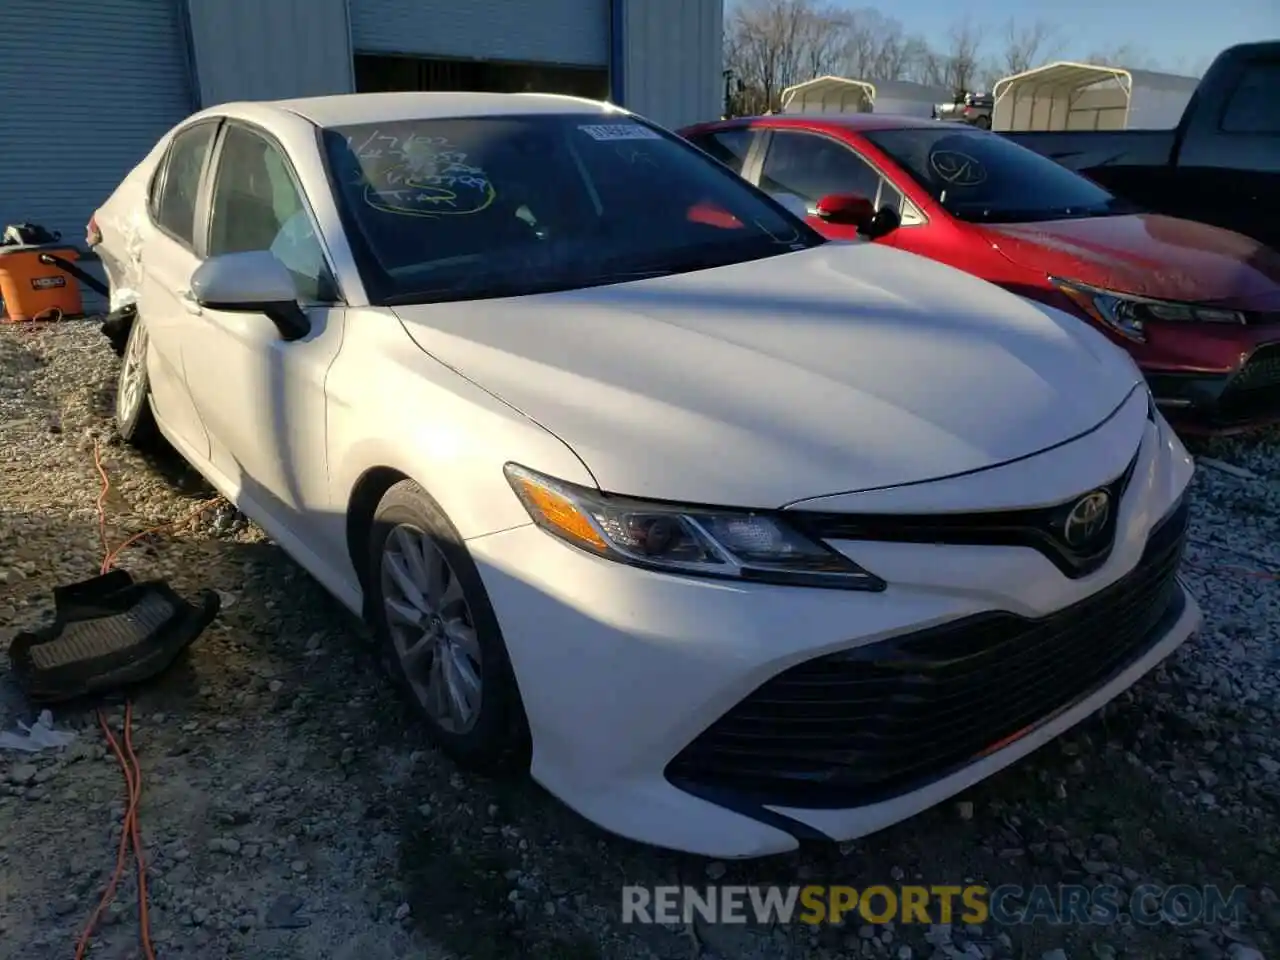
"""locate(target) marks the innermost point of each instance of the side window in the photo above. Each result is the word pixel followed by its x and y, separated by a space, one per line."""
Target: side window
pixel 730 147
pixel 811 167
pixel 893 198
pixel 1254 105
pixel 890 196
pixel 257 206
pixel 174 206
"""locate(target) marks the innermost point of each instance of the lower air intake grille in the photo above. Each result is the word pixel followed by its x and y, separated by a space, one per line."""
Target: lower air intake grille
pixel 1260 371
pixel 871 723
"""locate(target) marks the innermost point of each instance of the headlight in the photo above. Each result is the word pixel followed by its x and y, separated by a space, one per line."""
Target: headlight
pixel 693 541
pixel 1127 314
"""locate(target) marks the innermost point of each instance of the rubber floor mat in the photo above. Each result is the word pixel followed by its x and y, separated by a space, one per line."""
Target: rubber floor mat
pixel 107 632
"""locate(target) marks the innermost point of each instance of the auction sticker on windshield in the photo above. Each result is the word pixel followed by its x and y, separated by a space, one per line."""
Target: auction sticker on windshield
pixel 618 131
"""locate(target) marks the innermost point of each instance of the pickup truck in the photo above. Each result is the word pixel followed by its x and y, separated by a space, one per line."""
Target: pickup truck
pixel 974 109
pixel 1220 165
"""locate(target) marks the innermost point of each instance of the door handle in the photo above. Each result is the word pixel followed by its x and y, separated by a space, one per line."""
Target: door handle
pixel 190 303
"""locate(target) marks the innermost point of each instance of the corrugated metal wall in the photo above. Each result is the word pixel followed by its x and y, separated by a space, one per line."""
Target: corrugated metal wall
pixel 86 89
pixel 553 31
pixel 90 85
pixel 672 59
pixel 270 49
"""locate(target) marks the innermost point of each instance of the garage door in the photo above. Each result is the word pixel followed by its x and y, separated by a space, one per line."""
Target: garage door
pixel 524 31
pixel 86 89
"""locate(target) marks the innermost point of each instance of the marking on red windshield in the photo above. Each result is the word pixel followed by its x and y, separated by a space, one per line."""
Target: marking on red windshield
pixel 956 168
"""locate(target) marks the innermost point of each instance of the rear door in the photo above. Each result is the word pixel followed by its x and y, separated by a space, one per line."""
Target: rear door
pixel 262 398
pixel 169 258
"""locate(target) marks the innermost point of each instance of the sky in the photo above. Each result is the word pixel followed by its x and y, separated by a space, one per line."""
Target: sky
pixel 1179 35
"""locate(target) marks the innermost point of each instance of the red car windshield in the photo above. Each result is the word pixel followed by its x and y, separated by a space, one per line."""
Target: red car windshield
pixel 983 178
pixel 473 208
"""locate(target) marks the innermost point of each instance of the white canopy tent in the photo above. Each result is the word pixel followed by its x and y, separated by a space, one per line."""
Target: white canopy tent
pixel 1084 96
pixel 829 95
pixel 842 95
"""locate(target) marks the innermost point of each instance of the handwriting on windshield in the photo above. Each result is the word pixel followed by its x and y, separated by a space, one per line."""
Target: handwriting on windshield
pixel 419 176
pixel 635 154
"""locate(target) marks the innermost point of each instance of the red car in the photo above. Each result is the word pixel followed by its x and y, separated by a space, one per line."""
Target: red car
pixel 1197 307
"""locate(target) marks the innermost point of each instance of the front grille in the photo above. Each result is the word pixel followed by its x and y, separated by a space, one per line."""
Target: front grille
pixel 1255 389
pixel 1042 529
pixel 874 722
pixel 1262 370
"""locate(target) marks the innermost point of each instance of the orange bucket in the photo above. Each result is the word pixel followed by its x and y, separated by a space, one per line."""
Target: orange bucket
pixel 32 290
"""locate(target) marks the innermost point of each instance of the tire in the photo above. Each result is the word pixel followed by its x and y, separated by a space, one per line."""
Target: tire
pixel 983 123
pixel 134 421
pixel 495 738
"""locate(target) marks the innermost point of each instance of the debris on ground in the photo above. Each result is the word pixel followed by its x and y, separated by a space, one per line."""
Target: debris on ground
pixel 41 735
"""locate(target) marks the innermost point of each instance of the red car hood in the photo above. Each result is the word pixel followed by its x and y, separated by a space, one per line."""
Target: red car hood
pixel 1149 255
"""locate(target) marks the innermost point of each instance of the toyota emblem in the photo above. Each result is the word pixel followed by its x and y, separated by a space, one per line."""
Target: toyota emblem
pixel 1087 518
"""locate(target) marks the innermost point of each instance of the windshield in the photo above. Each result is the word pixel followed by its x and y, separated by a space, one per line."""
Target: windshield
pixel 984 178
pixel 464 209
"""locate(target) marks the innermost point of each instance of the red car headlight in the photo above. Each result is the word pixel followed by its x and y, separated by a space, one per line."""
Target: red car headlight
pixel 1127 314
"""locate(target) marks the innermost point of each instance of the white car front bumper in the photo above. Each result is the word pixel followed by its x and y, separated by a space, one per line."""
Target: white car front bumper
pixel 623 671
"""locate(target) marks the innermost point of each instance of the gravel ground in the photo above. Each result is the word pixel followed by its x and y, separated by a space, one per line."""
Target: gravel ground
pixel 292 809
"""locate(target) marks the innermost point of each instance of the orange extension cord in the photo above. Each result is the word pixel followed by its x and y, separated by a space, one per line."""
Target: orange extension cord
pixel 131 832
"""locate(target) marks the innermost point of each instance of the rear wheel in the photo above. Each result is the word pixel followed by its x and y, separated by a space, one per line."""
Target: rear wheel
pixel 983 123
pixel 134 421
pixel 438 633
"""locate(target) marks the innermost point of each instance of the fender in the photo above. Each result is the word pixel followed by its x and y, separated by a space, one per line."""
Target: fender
pixel 431 425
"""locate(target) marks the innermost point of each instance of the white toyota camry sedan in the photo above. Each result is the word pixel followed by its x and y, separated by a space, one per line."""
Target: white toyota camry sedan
pixel 730 535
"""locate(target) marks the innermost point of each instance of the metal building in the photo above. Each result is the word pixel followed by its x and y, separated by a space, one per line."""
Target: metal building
pixel 90 85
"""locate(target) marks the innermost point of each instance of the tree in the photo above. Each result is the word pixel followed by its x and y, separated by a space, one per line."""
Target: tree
pixel 773 44
pixel 962 60
pixel 1121 55
pixel 876 47
pixel 1027 46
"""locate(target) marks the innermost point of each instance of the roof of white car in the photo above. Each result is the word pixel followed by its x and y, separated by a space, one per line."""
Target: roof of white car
pixel 352 108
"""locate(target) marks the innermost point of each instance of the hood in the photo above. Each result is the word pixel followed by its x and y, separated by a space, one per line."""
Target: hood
pixel 839 368
pixel 1150 255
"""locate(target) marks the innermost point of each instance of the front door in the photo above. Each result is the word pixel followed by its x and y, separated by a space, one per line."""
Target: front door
pixel 800 168
pixel 261 398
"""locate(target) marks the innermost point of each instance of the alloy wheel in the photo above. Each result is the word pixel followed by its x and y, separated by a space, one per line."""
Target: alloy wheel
pixel 133 375
pixel 431 628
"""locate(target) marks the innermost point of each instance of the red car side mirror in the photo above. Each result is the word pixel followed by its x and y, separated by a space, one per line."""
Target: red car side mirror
pixel 846 209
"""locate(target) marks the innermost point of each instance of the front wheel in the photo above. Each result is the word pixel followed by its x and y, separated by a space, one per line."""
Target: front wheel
pixel 439 635
pixel 134 421
pixel 983 123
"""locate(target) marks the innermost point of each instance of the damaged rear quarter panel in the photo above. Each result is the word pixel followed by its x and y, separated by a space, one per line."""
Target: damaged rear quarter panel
pixel 123 220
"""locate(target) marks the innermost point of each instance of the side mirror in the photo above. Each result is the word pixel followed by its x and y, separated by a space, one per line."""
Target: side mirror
pixel 885 221
pixel 846 209
pixel 251 282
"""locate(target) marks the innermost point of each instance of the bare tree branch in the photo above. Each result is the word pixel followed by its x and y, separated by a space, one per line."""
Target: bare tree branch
pixel 962 58
pixel 1122 55
pixel 1027 46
